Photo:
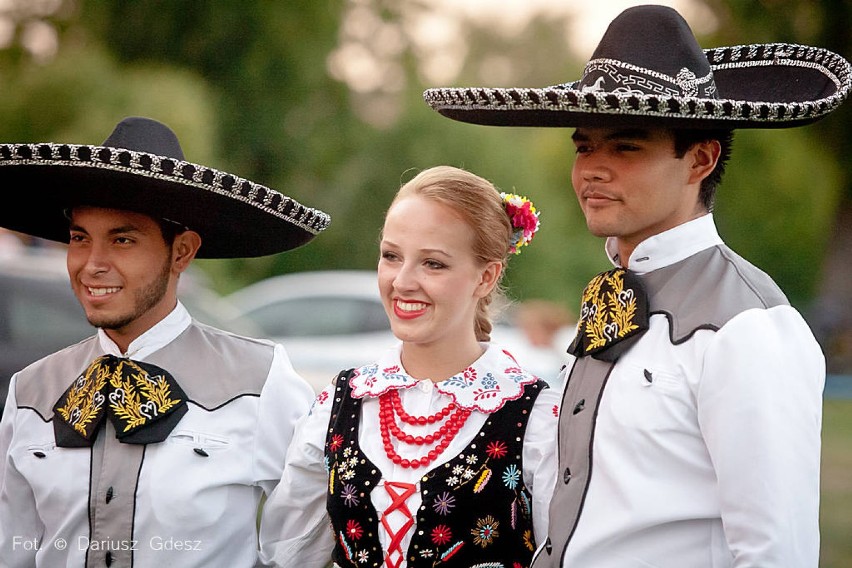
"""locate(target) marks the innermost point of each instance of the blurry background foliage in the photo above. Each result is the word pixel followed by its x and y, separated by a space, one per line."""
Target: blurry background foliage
pixel 322 99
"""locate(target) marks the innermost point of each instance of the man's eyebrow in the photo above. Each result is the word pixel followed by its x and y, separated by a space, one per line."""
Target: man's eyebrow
pixel 114 231
pixel 629 134
pixel 124 229
pixel 621 134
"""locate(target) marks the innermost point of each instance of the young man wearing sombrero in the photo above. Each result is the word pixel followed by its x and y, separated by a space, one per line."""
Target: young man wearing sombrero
pixel 690 422
pixel 151 443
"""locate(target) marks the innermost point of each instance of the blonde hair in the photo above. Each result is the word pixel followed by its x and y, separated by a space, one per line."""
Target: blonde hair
pixel 480 206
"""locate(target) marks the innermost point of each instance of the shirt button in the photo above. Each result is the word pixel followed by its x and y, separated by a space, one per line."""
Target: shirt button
pixel 566 476
pixel 108 558
pixel 109 495
pixel 425 385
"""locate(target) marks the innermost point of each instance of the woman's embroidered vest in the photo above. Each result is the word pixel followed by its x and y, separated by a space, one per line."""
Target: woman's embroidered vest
pixel 475 509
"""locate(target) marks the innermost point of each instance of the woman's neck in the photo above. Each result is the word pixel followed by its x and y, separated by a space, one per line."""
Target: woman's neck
pixel 438 363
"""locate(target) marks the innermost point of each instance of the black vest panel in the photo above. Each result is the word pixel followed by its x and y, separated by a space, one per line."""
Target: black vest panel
pixel 475 508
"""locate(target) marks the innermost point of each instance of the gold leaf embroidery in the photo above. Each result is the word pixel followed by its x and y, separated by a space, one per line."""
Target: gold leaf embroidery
pixel 130 408
pixel 608 310
pixel 84 400
pixel 134 396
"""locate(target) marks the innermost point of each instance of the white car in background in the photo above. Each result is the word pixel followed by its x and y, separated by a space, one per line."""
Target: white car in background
pixel 333 320
pixel 327 321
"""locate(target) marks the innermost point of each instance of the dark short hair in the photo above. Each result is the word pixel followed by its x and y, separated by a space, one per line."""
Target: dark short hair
pixel 170 230
pixel 684 139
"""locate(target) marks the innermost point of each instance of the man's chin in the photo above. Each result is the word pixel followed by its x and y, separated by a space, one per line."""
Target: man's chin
pixel 107 323
pixel 599 230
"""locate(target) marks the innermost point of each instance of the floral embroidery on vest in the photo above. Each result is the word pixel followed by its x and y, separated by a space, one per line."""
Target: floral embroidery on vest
pixel 476 509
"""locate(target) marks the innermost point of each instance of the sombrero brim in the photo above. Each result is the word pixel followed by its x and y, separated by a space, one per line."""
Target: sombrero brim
pixel 235 217
pixel 759 86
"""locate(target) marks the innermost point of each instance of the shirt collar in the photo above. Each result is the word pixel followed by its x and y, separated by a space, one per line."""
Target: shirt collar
pixel 668 247
pixel 486 385
pixel 160 335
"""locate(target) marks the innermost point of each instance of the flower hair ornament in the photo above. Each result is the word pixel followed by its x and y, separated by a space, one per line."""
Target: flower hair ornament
pixel 524 219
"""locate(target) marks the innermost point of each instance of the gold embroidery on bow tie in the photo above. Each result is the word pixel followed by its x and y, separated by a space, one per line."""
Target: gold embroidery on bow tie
pixel 130 388
pixel 134 396
pixel 608 310
pixel 85 399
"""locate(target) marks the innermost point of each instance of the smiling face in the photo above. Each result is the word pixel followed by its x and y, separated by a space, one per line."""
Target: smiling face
pixel 122 270
pixel 429 279
pixel 630 184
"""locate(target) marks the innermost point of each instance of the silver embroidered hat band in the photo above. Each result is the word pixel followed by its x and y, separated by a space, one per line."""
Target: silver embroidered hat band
pixel 648 70
pixel 141 167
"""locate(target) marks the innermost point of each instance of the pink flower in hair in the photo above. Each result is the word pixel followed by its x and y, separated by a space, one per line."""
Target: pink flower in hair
pixel 524 218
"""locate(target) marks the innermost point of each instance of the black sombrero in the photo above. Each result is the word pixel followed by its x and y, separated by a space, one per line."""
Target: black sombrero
pixel 140 167
pixel 649 70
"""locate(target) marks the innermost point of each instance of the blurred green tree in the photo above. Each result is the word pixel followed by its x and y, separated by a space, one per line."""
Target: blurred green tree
pixel 280 119
pixel 825 279
pixel 284 121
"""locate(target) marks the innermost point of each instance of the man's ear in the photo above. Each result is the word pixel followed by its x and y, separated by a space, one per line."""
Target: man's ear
pixel 704 156
pixel 184 249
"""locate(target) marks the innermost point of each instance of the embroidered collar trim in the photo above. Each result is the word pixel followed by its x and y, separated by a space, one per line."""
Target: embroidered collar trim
pixel 485 386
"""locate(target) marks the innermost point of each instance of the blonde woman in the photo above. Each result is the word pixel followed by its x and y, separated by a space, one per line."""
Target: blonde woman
pixel 441 453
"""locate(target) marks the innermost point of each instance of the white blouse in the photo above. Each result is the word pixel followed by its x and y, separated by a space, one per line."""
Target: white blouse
pixel 295 528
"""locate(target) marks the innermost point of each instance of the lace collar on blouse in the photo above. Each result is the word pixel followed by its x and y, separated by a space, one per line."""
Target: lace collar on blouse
pixel 485 385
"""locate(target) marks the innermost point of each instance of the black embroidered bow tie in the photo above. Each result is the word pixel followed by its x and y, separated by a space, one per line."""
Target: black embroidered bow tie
pixel 143 402
pixel 613 315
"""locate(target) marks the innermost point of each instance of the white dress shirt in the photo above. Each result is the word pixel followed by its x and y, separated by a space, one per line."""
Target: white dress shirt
pixel 716 462
pixel 190 509
pixel 295 529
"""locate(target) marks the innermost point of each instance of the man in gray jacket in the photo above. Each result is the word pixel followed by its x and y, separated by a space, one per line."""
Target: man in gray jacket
pixel 151 443
pixel 690 421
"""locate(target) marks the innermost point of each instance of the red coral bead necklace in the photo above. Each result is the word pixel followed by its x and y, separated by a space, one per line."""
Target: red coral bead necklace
pixel 390 406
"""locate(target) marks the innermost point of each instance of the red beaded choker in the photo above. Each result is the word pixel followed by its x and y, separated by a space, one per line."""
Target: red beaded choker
pixel 391 405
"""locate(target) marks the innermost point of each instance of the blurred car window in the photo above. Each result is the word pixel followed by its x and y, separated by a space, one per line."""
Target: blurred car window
pixel 39 312
pixel 320 316
pixel 327 320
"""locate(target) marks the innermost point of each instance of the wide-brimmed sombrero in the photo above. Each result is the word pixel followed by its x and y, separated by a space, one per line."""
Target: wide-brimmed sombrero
pixel 141 167
pixel 649 70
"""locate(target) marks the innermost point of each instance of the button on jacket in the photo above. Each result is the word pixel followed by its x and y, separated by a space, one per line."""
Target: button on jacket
pixel 190 501
pixel 706 438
